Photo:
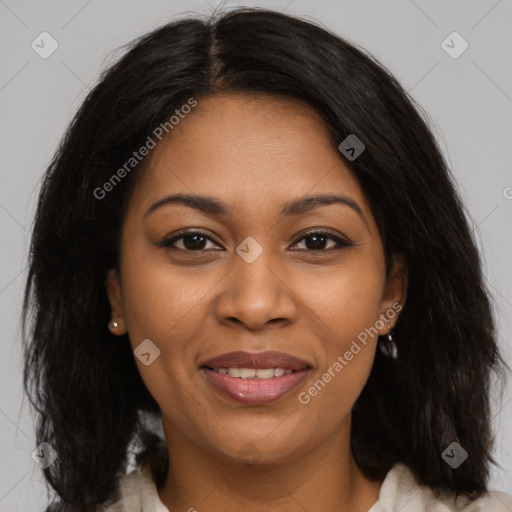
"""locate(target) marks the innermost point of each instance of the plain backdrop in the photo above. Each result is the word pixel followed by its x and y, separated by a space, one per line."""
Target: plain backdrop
pixel 467 98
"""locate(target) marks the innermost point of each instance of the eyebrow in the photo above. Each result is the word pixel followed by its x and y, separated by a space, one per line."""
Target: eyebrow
pixel 213 206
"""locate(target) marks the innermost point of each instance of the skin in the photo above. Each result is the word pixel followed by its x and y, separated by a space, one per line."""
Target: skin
pixel 254 153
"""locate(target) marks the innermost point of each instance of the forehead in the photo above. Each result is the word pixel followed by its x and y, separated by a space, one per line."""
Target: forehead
pixel 249 150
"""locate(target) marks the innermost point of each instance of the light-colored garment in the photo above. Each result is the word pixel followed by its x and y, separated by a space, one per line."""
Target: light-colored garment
pixel 399 492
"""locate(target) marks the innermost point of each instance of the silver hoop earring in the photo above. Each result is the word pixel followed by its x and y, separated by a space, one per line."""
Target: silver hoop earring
pixel 388 347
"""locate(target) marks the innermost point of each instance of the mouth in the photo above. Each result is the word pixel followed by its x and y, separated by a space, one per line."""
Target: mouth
pixel 255 390
pixel 255 378
pixel 253 373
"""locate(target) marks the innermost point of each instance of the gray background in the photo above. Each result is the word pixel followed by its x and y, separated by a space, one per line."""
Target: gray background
pixel 468 100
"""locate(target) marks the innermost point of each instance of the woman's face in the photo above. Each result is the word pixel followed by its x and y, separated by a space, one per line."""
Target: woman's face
pixel 253 280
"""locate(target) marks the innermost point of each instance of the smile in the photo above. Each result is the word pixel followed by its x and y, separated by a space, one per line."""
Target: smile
pixel 255 386
pixel 251 373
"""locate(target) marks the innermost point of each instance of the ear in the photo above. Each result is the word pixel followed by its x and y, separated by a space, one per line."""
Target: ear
pixel 113 287
pixel 394 294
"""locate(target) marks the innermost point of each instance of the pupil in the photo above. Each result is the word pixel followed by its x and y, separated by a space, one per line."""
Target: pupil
pixel 194 245
pixel 320 241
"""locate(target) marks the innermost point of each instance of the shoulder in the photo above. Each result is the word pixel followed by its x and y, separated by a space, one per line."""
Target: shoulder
pixel 136 492
pixel 401 491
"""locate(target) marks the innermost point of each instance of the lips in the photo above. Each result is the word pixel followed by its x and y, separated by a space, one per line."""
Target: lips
pixel 255 378
pixel 255 391
pixel 256 360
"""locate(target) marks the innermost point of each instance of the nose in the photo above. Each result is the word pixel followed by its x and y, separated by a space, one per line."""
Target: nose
pixel 256 295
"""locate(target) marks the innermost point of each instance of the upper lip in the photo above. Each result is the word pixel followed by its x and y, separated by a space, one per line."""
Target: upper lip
pixel 257 360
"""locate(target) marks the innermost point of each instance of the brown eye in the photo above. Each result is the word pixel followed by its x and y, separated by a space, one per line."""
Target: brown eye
pixel 317 240
pixel 190 241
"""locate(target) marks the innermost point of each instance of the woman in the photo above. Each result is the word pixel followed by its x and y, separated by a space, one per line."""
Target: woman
pixel 242 212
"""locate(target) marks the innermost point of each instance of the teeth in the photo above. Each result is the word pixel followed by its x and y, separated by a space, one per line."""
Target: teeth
pixel 234 372
pixel 251 373
pixel 247 373
pixel 266 373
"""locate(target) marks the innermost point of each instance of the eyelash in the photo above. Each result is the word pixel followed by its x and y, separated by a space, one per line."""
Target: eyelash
pixel 341 243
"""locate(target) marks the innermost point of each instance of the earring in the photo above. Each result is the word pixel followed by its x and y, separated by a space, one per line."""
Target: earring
pixel 389 348
pixel 113 325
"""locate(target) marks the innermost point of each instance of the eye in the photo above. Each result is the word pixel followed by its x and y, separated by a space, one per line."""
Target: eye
pixel 318 240
pixel 190 241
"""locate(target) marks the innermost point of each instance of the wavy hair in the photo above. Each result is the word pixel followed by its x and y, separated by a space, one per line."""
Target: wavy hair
pixel 82 381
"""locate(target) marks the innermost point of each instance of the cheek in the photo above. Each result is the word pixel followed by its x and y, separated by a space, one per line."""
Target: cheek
pixel 159 298
pixel 347 299
pixel 347 352
pixel 158 306
pixel 346 308
pixel 159 302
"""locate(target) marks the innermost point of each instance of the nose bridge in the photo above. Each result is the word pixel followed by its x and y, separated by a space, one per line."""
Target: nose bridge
pixel 258 276
pixel 256 293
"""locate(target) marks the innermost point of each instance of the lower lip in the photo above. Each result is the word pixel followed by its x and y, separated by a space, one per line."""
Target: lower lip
pixel 255 391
